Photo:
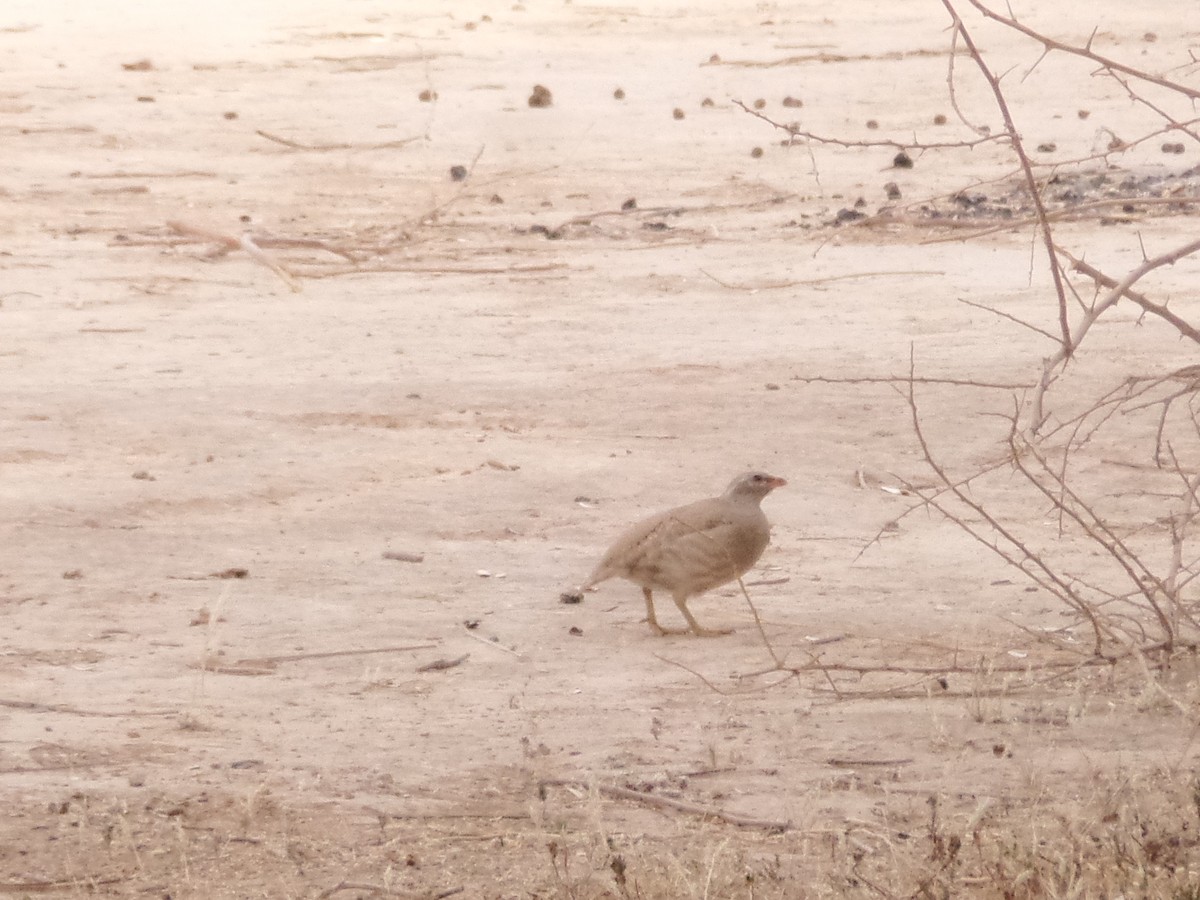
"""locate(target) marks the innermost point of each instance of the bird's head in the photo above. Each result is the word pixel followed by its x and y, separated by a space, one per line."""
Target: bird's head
pixel 755 485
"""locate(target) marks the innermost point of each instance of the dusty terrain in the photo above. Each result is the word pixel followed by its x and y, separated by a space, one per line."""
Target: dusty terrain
pixel 506 371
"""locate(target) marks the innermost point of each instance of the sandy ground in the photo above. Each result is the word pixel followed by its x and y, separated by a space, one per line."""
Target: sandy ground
pixel 511 370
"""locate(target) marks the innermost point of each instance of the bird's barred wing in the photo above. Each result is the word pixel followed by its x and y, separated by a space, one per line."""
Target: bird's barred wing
pixel 687 553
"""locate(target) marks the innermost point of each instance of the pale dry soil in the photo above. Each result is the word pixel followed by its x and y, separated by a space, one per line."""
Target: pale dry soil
pixel 499 402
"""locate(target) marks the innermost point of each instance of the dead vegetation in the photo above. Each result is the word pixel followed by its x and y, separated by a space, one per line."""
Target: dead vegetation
pixel 1125 637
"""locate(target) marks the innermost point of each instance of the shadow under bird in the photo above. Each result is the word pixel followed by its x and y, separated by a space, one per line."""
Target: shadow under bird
pixel 691 549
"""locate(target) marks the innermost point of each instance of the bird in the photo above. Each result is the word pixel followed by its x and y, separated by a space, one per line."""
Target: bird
pixel 691 549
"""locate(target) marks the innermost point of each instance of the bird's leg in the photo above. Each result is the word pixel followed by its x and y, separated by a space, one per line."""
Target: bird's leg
pixel 653 620
pixel 681 602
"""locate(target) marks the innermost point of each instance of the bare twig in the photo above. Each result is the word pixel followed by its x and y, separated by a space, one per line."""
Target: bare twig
pixel 695 809
pixel 758 622
pixel 1052 363
pixel 495 645
pixel 328 654
pixel 32 706
pixel 794 132
pixel 1185 328
pixel 779 285
pixel 228 242
pixel 1087 53
pixel 1034 189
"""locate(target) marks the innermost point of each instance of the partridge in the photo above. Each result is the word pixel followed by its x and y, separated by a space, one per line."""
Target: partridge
pixel 691 549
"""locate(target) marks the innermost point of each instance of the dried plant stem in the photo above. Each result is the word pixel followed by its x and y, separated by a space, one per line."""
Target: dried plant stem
pixel 668 803
pixel 1031 183
pixel 1052 364
pixel 1106 62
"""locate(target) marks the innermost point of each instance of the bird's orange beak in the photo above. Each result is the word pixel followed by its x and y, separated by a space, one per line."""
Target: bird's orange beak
pixel 778 482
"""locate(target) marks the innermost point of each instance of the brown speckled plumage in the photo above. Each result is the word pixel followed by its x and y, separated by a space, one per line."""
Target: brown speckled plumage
pixel 694 548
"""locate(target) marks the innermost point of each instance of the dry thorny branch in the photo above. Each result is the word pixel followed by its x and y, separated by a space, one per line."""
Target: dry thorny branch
pixel 1135 607
pixel 1071 327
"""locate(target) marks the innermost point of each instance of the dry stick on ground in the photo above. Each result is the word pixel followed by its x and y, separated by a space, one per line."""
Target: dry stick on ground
pixel 949 669
pixel 76 711
pixel 245 242
pixel 83 883
pixel 778 285
pixel 328 654
pixel 695 809
pixel 793 132
pixel 1079 212
pixel 495 645
pixel 344 885
pixel 296 145
pixel 708 684
pixel 674 211
pixel 899 379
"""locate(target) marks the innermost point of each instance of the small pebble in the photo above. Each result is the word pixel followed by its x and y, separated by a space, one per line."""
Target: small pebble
pixel 678 113
pixel 760 104
pixel 756 153
pixel 427 96
pixel 706 102
pixel 902 161
pixel 792 102
pixel 939 119
pixel 458 173
pixel 872 125
pixel 540 97
pixel 618 94
pixel 892 190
